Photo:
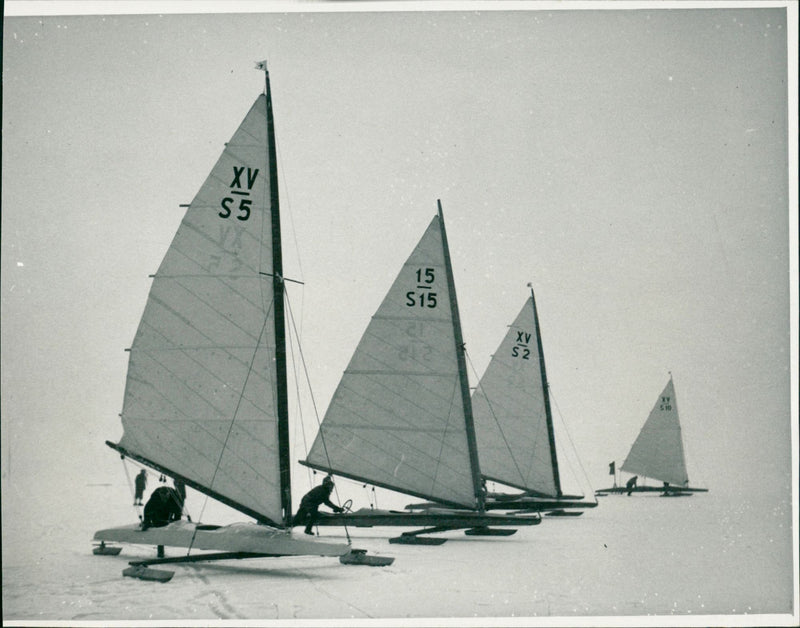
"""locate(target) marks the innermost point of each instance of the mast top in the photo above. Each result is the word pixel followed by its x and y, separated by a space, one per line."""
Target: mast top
pixel 262 65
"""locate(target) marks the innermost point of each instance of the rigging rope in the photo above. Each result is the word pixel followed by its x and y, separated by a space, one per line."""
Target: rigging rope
pixel 232 421
pixel 298 426
pixel 308 379
pixel 313 400
pixel 372 500
pixel 456 395
pixel 572 444
pixel 130 486
pixel 497 422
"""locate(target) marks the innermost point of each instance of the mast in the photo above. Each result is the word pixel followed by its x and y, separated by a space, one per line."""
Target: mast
pixel 462 372
pixel 680 430
pixel 280 325
pixel 546 389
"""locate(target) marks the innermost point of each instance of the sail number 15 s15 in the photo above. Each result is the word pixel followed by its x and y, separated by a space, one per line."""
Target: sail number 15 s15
pixel 423 295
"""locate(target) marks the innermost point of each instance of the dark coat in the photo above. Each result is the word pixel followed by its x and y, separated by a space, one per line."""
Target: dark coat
pixel 317 496
pixel 163 507
pixel 141 482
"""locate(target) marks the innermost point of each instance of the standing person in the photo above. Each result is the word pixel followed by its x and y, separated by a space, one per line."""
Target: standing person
pixel 141 484
pixel 630 484
pixel 309 505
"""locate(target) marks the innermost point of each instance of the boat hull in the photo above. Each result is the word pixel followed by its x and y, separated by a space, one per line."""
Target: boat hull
pixel 448 518
pixel 672 490
pixel 527 503
pixel 538 504
pixel 238 537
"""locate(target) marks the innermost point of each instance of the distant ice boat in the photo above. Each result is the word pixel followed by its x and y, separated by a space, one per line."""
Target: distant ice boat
pixel 657 452
pixel 206 392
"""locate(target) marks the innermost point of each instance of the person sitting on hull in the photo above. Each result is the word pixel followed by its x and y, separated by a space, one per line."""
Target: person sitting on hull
pixel 630 484
pixel 163 507
pixel 308 511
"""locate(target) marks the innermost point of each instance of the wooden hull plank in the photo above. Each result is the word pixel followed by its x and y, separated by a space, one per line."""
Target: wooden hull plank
pixel 535 504
pixel 240 537
pixel 359 557
pixel 106 550
pixel 145 573
pixel 564 513
pixel 526 504
pixel 404 539
pixel 672 490
pixel 452 519
pixel 486 531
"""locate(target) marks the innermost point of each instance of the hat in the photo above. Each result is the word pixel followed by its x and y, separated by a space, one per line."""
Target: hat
pixel 328 480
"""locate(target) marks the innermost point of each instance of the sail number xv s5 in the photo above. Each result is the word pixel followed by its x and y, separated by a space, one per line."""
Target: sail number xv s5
pixel 237 189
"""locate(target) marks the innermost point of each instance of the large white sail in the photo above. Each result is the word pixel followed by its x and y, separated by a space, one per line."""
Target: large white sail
pixel 510 412
pixel 658 450
pixel 397 418
pixel 201 393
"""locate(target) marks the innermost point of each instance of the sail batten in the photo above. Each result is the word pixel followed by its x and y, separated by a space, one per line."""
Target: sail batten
pixel 397 418
pixel 410 373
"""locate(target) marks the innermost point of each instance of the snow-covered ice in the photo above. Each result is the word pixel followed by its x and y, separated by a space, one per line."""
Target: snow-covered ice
pixel 643 555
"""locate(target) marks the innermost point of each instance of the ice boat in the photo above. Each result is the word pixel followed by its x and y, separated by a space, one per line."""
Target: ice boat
pixel 514 423
pixel 401 416
pixel 206 392
pixel 657 453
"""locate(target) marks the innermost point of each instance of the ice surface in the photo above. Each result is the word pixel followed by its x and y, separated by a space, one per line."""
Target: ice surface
pixel 630 556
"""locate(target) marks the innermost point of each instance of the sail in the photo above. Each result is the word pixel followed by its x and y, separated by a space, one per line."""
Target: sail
pixel 658 450
pixel 510 411
pixel 201 395
pixel 397 418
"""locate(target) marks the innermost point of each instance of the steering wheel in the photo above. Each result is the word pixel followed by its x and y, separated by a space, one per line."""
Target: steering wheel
pixel 346 506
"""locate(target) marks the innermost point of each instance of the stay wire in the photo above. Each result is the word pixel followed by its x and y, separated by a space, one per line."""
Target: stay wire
pixel 313 401
pixel 130 486
pixel 497 422
pixel 299 427
pixel 232 421
pixel 572 444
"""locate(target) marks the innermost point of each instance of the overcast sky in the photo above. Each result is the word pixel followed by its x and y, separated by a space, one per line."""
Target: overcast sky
pixel 631 164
